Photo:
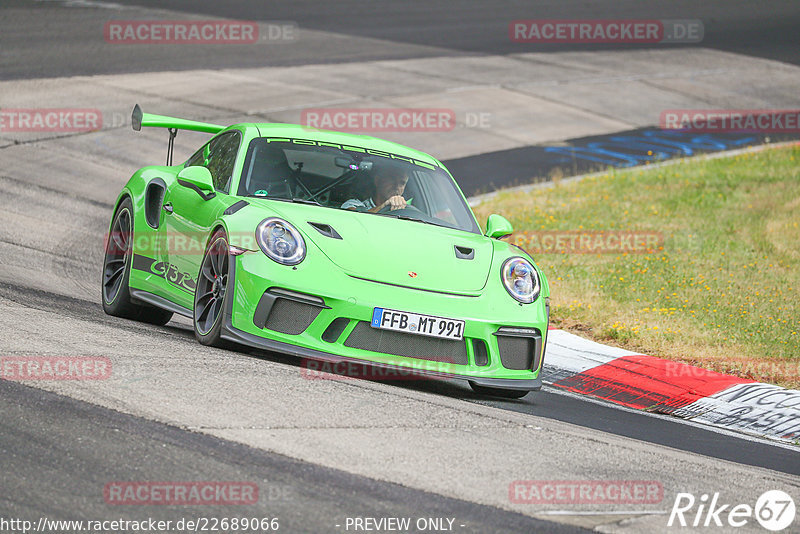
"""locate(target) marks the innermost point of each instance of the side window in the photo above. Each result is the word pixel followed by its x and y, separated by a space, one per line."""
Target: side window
pixel 222 156
pixel 196 159
pixel 222 152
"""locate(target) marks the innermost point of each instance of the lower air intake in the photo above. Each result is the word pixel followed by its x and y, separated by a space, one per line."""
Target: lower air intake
pixel 519 352
pixel 433 349
pixel 291 317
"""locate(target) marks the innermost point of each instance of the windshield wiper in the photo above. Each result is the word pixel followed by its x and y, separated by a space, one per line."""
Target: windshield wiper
pixel 305 201
pixel 406 218
pixel 293 200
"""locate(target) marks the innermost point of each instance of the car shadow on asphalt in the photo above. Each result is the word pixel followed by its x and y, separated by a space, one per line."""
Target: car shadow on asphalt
pixel 456 389
pixel 452 388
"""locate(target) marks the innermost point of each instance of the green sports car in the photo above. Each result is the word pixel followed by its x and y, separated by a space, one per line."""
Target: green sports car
pixel 329 246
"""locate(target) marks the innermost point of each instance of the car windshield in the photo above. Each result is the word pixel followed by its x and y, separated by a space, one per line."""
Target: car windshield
pixel 353 178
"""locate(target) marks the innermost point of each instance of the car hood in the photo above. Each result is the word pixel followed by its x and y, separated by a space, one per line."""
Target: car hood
pixel 394 251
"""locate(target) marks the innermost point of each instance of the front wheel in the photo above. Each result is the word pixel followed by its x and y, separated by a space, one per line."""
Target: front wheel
pixel 117 269
pixel 211 292
pixel 498 392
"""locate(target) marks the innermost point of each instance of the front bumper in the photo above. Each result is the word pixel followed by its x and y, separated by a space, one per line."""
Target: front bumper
pixel 342 309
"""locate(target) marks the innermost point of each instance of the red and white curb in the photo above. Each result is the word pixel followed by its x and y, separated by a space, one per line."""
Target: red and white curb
pixel 662 386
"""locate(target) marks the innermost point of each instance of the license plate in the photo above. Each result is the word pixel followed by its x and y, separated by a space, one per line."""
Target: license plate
pixel 415 323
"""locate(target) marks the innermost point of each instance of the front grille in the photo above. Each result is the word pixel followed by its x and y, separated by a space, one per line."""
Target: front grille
pixel 290 316
pixel 420 347
pixel 519 352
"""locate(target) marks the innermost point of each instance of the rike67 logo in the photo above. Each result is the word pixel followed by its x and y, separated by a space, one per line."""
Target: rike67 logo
pixel 774 510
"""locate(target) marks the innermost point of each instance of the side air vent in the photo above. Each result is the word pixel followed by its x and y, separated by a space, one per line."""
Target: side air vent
pixel 480 353
pixel 236 206
pixel 464 253
pixel 153 197
pixel 325 229
pixel 335 329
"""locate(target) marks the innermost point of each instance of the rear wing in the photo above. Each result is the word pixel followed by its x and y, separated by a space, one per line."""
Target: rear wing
pixel 172 124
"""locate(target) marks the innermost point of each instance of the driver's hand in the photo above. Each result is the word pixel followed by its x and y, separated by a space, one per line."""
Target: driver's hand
pixel 396 202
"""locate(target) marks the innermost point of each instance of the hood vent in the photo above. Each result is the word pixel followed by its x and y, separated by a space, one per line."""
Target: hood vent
pixel 325 229
pixel 464 253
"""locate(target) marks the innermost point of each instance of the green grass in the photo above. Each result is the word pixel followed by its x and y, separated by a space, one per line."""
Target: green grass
pixel 723 292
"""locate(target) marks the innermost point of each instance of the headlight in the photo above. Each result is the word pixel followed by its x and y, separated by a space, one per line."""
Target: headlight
pixel 520 279
pixel 281 241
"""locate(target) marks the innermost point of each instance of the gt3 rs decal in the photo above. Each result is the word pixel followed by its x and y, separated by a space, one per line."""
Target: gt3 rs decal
pixel 167 271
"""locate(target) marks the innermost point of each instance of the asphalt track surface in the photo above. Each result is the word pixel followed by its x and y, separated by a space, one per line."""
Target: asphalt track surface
pixel 57 451
pixel 374 30
pixel 100 442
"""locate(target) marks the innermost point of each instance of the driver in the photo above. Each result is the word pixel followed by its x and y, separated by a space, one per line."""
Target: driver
pixel 390 182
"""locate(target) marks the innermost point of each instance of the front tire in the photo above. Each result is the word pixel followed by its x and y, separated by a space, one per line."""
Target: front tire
pixel 498 392
pixel 210 294
pixel 117 269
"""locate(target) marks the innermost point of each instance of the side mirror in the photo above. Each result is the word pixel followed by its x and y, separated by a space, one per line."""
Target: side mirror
pixel 498 226
pixel 199 179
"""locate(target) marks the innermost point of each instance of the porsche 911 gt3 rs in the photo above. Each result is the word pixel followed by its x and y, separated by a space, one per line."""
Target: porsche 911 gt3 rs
pixel 328 246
